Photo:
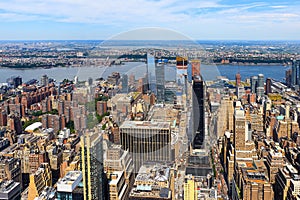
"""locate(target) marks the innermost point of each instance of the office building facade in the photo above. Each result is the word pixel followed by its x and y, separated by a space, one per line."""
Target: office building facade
pixel 151 74
pixel 92 165
pixel 146 141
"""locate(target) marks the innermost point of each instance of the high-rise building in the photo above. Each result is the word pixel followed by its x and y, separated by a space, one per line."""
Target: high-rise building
pixel 44 80
pixel 253 82
pixel 68 187
pixel 39 180
pixel 3 118
pixel 294 189
pixel 260 89
pixel 260 81
pixel 53 121
pixel 198 99
pixel 92 165
pixel 10 190
pixel 274 161
pixel 160 82
pixel 283 180
pixel 118 189
pixel 101 107
pixel 14 82
pixel 181 69
pixel 189 73
pixel 14 123
pixel 118 159
pixel 239 127
pixel 125 83
pixel 146 141
pixel 268 85
pixel 151 74
pixel 189 187
pixel 238 79
pixel 251 182
pixel 10 169
pixel 195 67
pixel 288 77
pixel 295 73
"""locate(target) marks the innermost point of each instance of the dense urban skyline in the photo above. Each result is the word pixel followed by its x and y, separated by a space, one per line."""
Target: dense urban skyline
pixel 217 19
pixel 149 99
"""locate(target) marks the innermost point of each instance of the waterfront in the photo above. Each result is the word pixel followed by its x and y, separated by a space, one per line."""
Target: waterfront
pixel 209 72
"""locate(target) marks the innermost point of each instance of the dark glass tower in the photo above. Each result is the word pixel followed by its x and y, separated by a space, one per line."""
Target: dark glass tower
pixel 151 75
pixel 160 82
pixel 198 113
pixel 295 73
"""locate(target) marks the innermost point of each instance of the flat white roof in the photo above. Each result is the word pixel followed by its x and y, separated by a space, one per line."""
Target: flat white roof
pixel 69 182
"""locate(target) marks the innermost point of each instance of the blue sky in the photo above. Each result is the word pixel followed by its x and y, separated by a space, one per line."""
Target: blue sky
pixel 102 19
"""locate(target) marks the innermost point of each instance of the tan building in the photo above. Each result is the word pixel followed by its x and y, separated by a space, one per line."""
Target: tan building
pixel 39 180
pixel 251 183
pixel 10 169
pixel 274 161
pixel 189 188
pixel 283 180
pixel 117 159
pixel 118 189
pixel 240 128
pixel 294 189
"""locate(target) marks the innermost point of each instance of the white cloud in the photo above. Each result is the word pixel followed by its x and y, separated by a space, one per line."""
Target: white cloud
pixel 278 7
pixel 193 16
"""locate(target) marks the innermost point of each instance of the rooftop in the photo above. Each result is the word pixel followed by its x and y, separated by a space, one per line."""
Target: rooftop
pixel 8 186
pixel 69 182
pixel 47 193
pixel 154 172
pixel 117 175
pixel 145 125
pixel 33 126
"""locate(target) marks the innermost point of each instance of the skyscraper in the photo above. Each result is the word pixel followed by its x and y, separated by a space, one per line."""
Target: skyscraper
pixel 189 73
pixel 253 82
pixel 260 90
pixel 198 113
pixel 44 80
pixel 151 75
pixel 14 82
pixel 239 127
pixel 146 141
pixel 295 73
pixel 268 86
pixel 260 82
pixel 92 165
pixel 195 67
pixel 181 68
pixel 160 82
pixel 288 77
pixel 124 83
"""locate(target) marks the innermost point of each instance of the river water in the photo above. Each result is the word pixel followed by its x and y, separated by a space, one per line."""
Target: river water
pixel 209 72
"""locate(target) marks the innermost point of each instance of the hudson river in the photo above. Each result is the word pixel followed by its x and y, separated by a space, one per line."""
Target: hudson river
pixel 209 72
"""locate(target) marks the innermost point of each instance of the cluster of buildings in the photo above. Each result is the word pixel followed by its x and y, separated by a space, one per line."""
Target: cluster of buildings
pixel 118 138
pixel 257 138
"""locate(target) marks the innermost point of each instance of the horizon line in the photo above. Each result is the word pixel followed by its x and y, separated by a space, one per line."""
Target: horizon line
pixel 16 40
